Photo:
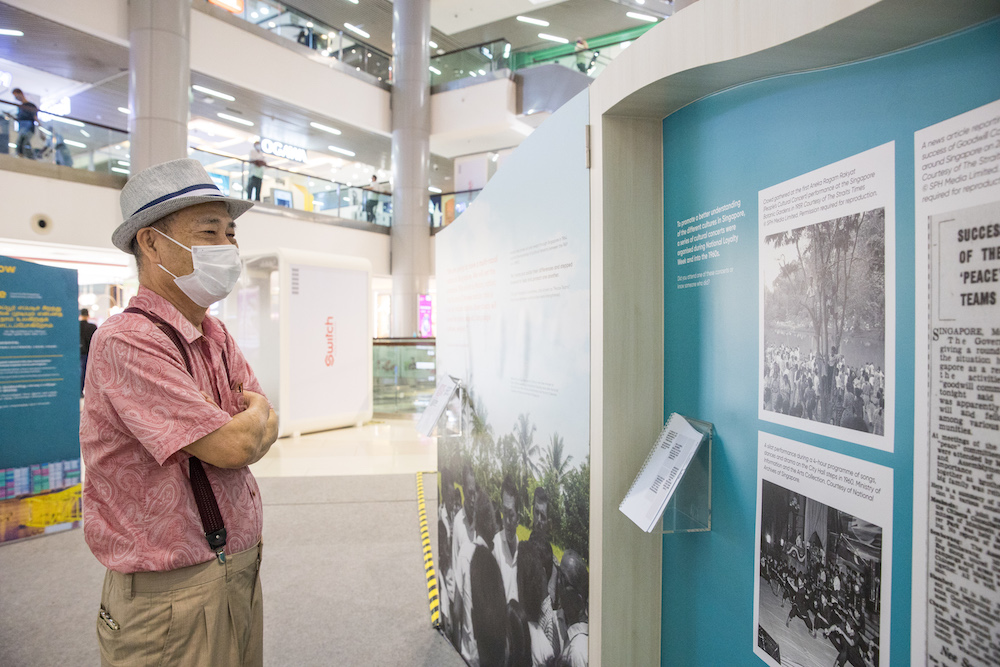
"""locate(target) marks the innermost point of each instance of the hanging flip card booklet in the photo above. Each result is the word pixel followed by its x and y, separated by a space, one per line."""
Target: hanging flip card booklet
pixel 439 401
pixel 661 473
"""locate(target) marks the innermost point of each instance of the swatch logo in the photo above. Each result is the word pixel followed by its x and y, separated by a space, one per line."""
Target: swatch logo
pixel 331 341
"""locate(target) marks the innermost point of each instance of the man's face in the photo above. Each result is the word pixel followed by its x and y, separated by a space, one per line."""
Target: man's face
pixel 19 96
pixel 201 224
pixel 509 519
pixel 540 520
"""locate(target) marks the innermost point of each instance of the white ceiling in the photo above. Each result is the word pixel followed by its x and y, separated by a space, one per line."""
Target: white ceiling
pixel 454 16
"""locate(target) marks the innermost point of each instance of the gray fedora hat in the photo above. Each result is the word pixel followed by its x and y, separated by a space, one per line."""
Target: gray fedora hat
pixel 160 190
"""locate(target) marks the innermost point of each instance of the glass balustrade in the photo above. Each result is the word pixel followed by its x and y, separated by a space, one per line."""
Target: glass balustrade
pixel 474 61
pixel 598 52
pixel 447 206
pixel 294 190
pixel 65 141
pixel 327 41
pixel 404 375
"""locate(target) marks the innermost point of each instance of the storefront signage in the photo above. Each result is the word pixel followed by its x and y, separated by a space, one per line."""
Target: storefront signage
pixel 286 151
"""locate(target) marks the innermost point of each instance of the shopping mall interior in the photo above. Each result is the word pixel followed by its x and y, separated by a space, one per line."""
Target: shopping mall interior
pixel 468 265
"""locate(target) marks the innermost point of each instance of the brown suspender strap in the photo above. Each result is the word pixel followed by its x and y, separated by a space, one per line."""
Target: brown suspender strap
pixel 204 497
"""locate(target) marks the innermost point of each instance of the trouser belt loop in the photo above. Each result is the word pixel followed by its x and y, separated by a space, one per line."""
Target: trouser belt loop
pixel 129 585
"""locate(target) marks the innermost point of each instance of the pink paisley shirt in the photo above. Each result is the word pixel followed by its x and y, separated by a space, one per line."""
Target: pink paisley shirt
pixel 141 409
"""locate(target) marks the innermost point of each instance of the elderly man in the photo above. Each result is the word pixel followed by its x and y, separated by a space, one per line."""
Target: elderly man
pixel 172 418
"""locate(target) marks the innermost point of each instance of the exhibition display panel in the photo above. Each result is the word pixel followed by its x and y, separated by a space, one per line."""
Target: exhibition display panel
pixel 40 367
pixel 823 232
pixel 810 218
pixel 513 279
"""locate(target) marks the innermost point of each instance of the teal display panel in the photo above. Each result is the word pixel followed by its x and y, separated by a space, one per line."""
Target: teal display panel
pixel 723 155
pixel 39 364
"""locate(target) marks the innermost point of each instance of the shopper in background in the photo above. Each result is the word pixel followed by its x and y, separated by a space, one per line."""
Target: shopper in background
pixel 173 418
pixel 27 116
pixel 371 198
pixel 4 134
pixel 582 55
pixel 257 164
pixel 87 330
pixel 63 155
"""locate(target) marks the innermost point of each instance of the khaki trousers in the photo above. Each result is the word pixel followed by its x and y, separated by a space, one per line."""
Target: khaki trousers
pixel 209 614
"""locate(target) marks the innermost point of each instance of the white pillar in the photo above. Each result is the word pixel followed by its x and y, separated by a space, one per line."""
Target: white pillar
pixel 159 80
pixel 411 123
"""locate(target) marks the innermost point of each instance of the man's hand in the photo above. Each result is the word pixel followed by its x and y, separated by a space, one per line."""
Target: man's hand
pixel 242 441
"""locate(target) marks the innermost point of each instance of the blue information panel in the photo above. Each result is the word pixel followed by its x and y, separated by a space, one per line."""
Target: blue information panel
pixel 39 399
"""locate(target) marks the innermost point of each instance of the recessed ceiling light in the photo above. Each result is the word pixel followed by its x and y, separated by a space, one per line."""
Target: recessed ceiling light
pixel 482 73
pixel 119 170
pixel 214 93
pixel 241 121
pixel 433 44
pixel 124 110
pixel 353 2
pixel 356 29
pixel 434 69
pixel 124 163
pixel 309 24
pixel 641 17
pixel 272 24
pixel 265 10
pixel 70 142
pixel 85 133
pixel 433 189
pixel 325 128
pixel 553 38
pixel 342 151
pixel 254 15
pixel 528 19
pixel 10 32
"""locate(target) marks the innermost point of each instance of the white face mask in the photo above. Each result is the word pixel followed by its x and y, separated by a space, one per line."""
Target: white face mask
pixel 216 270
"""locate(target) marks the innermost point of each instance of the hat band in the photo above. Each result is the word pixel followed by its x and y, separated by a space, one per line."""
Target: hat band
pixel 190 191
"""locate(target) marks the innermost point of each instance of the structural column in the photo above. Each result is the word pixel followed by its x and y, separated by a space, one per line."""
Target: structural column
pixel 159 79
pixel 411 124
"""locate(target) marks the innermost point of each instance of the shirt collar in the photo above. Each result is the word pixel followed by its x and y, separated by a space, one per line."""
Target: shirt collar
pixel 577 629
pixel 155 304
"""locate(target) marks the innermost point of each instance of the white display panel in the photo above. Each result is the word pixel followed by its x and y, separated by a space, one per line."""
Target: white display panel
pixel 327 380
pixel 304 323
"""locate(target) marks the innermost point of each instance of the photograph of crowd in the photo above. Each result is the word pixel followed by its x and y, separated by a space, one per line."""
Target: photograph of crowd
pixel 824 323
pixel 819 578
pixel 512 552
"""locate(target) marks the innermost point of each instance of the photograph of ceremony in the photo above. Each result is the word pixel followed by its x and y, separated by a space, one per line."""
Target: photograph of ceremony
pixel 819 577
pixel 512 552
pixel 824 325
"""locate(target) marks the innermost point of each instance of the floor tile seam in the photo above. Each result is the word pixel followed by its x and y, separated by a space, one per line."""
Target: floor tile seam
pixel 340 502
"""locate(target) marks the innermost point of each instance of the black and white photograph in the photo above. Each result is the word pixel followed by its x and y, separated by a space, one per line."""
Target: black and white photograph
pixel 820 578
pixel 827 300
pixel 513 543
pixel 824 323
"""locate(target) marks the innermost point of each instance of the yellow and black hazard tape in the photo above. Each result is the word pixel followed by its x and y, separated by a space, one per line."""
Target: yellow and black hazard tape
pixel 425 538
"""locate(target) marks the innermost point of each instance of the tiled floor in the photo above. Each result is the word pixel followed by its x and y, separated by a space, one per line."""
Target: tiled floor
pixel 379 447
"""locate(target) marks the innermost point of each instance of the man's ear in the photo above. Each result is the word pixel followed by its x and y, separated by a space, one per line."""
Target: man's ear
pixel 146 241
